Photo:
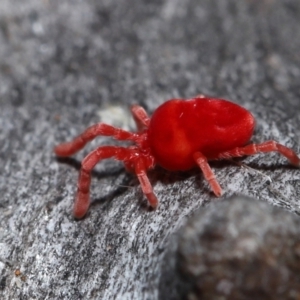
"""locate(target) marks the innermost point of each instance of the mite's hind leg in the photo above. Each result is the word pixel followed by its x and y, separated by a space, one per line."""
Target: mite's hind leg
pixel 201 161
pixel 268 146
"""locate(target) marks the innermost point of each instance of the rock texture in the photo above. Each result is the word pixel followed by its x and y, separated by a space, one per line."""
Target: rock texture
pixel 237 249
pixel 65 65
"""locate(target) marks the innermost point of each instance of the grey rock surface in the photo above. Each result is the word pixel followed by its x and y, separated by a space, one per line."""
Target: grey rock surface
pixel 65 65
pixel 236 249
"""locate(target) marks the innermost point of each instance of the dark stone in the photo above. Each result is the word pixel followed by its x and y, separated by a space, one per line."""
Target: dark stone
pixel 239 249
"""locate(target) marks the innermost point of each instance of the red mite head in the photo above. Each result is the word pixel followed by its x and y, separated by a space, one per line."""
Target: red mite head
pixel 180 135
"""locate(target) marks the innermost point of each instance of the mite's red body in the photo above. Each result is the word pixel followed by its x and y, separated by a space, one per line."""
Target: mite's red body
pixel 179 128
pixel 180 135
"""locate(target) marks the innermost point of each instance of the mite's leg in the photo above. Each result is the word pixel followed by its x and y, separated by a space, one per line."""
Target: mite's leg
pixel 140 171
pixel 268 146
pixel 201 161
pixel 140 117
pixel 82 199
pixel 69 148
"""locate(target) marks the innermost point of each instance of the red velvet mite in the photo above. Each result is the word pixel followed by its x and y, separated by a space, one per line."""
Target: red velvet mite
pixel 180 135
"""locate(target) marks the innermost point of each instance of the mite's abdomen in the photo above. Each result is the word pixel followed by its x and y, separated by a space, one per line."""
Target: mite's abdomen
pixel 179 128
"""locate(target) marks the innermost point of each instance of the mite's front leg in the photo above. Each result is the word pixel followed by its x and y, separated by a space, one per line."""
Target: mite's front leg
pixel 146 186
pixel 82 198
